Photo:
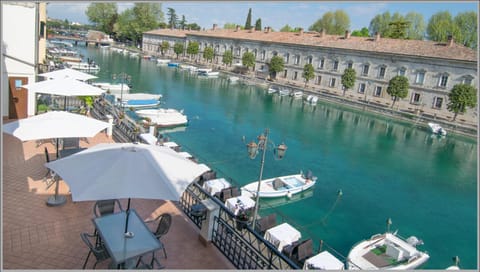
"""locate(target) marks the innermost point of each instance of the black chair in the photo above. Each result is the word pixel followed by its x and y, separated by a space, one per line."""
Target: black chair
pixel 68 143
pixel 104 207
pixel 266 222
pixel 298 252
pixel 235 191
pixel 225 194
pixel 50 176
pixel 164 223
pixel 99 251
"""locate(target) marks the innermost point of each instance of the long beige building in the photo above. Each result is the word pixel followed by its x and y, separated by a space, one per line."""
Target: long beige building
pixel 432 68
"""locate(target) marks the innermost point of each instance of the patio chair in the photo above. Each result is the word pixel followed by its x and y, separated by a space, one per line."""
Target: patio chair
pixel 50 176
pixel 225 194
pixel 99 251
pixel 104 207
pixel 235 191
pixel 164 222
pixel 68 143
pixel 299 251
pixel 265 223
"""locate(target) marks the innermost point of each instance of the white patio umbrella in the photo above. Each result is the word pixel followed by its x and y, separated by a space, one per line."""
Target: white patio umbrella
pixel 68 73
pixel 127 170
pixel 54 124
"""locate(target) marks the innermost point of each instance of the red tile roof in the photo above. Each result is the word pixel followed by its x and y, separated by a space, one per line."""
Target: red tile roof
pixel 383 45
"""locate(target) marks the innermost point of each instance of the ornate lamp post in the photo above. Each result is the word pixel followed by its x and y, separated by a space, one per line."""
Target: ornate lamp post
pixel 253 149
pixel 125 78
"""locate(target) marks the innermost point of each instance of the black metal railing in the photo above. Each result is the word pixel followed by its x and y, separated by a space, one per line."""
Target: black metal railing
pixel 241 244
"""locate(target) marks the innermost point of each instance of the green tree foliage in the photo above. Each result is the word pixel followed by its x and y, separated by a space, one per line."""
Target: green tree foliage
pixel 275 66
pixel 361 33
pixel 417 26
pixel 193 26
pixel 248 22
pixel 134 21
pixel 258 24
pixel 308 72
pixel 460 97
pixel 467 23
pixel 379 24
pixel 193 48
pixel 332 22
pixel 103 15
pixel 164 46
pixel 286 28
pixel 348 79
pixel 172 18
pixel 208 53
pixel 182 23
pixel 440 26
pixel 398 29
pixel 398 88
pixel 248 59
pixel 229 26
pixel 178 48
pixel 227 57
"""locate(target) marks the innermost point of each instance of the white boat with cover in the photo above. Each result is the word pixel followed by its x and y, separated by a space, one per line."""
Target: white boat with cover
pixel 273 89
pixel 386 252
pixel 280 186
pixel 139 100
pixel 437 129
pixel 113 88
pixel 164 117
pixel 83 66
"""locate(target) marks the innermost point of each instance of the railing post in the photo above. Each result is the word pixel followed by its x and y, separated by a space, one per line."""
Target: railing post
pixel 207 226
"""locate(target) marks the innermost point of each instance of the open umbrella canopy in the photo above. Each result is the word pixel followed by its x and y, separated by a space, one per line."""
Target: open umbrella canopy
pixel 64 86
pixel 54 124
pixel 68 73
pixel 127 170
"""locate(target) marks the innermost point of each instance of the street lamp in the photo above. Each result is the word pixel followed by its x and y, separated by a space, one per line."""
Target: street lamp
pixel 125 78
pixel 253 148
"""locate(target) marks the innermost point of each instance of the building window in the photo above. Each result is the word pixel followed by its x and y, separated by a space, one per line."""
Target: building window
pixel 365 70
pixel 309 60
pixel 332 82
pixel 467 80
pixel 321 64
pixel 262 56
pixel 335 65
pixel 295 75
pixel 402 71
pixel 318 80
pixel 378 91
pixel 437 102
pixel 361 88
pixel 286 58
pixel 443 81
pixel 238 51
pixel 381 72
pixel 350 64
pixel 415 98
pixel 296 60
pixel 420 77
pixel 255 53
pixel 285 73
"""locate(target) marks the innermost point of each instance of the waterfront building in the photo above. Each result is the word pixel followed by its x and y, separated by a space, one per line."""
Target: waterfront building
pixel 23 55
pixel 432 68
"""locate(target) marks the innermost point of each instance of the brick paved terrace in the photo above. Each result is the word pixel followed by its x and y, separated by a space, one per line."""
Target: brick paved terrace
pixel 36 236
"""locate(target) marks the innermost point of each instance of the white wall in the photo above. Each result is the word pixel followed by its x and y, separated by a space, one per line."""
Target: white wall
pixel 18 41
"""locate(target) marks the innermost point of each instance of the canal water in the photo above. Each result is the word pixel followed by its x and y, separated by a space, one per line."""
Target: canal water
pixel 369 168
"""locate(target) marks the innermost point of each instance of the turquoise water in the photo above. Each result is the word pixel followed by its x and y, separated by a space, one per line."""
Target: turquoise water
pixel 426 185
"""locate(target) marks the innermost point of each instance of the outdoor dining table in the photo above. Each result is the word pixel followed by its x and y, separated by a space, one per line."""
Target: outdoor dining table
pixel 282 235
pixel 323 261
pixel 216 185
pixel 121 248
pixel 239 202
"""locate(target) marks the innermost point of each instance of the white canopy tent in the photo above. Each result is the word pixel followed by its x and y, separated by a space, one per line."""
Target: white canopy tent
pixel 68 73
pixel 65 87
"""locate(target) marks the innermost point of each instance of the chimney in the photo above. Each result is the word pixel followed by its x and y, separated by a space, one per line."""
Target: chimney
pixel 214 27
pixel 347 34
pixel 450 41
pixel 300 31
pixel 252 29
pixel 323 33
pixel 377 37
pixel 268 29
pixel 237 28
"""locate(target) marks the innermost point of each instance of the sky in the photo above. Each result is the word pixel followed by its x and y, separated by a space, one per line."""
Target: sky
pixel 275 14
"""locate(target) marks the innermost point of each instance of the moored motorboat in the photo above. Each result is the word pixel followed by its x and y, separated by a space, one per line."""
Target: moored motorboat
pixel 83 66
pixel 113 88
pixel 172 64
pixel 386 251
pixel 284 92
pixel 139 100
pixel 437 129
pixel 164 117
pixel 280 186
pixel 296 94
pixel 207 72
pixel 312 99
pixel 272 89
pixel 163 61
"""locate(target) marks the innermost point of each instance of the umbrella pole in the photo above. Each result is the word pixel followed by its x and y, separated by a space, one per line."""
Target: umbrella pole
pixel 128 234
pixel 56 200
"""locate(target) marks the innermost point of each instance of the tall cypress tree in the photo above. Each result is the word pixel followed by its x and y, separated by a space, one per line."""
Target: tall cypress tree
pixel 258 24
pixel 248 23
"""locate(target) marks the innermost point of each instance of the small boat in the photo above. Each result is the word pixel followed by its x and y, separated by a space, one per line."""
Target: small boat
pixel 312 99
pixel 163 61
pixel 203 72
pixel 273 89
pixel 284 92
pixel 437 129
pixel 83 66
pixel 164 117
pixel 233 79
pixel 113 88
pixel 386 251
pixel 139 100
pixel 172 64
pixel 280 186
pixel 296 94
